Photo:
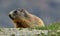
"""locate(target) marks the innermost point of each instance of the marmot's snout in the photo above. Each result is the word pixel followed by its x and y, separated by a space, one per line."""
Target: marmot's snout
pixel 13 14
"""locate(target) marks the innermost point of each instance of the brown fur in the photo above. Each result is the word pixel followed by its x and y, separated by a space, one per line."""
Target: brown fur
pixel 26 20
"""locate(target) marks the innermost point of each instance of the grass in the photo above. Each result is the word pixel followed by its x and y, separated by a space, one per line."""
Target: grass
pixel 53 26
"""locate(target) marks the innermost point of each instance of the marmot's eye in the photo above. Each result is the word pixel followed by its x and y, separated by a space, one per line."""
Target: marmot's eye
pixel 15 12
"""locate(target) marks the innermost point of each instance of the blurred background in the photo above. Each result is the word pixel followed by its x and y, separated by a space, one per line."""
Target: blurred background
pixel 47 10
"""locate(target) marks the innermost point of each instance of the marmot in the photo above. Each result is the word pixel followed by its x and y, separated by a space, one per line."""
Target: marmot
pixel 23 19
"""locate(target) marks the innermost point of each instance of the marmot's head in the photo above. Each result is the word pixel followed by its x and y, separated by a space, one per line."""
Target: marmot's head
pixel 18 14
pixel 19 17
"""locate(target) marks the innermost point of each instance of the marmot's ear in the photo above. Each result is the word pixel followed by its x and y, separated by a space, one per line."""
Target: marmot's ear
pixel 24 11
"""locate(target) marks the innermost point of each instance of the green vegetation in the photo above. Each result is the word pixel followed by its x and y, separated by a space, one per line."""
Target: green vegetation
pixel 53 29
pixel 53 26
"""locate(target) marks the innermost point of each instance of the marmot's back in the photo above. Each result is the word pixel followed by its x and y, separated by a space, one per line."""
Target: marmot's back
pixel 22 18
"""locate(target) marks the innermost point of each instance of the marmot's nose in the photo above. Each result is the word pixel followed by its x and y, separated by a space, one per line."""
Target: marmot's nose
pixel 10 16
